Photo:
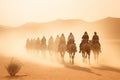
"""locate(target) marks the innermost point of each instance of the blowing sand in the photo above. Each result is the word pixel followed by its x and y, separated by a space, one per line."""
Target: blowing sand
pixel 50 70
pixel 35 67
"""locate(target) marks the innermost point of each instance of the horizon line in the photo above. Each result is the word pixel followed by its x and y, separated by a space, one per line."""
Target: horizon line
pixel 56 20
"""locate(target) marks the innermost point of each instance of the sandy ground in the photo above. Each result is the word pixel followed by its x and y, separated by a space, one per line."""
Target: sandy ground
pixel 35 68
pixel 65 71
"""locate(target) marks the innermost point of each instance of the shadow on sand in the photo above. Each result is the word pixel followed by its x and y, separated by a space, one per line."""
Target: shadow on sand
pixel 107 68
pixel 15 77
pixel 78 68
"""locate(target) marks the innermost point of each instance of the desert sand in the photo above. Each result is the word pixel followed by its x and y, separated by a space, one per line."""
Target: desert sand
pixel 31 71
pixel 38 68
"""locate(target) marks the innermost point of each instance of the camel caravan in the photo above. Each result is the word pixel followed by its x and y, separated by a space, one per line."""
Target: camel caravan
pixel 60 46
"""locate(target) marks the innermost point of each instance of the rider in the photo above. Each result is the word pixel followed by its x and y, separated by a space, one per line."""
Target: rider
pixel 50 43
pixel 95 38
pixel 37 43
pixel 57 40
pixel 28 43
pixel 50 40
pixel 85 38
pixel 43 42
pixel 62 39
pixel 71 38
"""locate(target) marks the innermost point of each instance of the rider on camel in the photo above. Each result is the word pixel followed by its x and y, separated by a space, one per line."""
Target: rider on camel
pixel 62 39
pixel 50 43
pixel 71 38
pixel 43 42
pixel 57 41
pixel 95 38
pixel 85 38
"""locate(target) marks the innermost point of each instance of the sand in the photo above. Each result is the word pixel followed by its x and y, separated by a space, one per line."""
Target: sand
pixel 64 71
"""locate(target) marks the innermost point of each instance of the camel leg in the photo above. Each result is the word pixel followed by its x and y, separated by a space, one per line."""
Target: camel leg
pixel 62 56
pixel 70 57
pixel 73 58
pixel 97 57
pixel 83 55
pixel 89 58
pixel 86 57
pixel 94 56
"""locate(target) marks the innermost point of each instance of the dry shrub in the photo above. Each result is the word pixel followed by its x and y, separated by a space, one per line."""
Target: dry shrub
pixel 13 67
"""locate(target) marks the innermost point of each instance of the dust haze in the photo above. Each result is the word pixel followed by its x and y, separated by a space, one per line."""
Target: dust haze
pixel 12 44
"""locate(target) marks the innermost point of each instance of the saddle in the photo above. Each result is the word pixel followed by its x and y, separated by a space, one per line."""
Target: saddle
pixel 84 41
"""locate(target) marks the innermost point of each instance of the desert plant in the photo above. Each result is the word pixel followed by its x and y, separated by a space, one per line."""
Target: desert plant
pixel 13 67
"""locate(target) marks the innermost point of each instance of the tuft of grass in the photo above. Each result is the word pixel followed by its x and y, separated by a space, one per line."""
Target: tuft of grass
pixel 13 67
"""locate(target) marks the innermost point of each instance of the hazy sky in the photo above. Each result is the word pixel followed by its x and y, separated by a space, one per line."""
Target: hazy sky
pixel 18 12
